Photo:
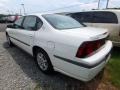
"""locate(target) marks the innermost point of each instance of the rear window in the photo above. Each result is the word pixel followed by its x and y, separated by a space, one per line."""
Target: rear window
pixel 96 17
pixel 62 22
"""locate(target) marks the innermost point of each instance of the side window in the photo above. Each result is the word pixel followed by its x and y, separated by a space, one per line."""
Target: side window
pixel 78 17
pixel 30 23
pixel 87 17
pixel 18 23
pixel 39 23
pixel 83 17
pixel 96 17
pixel 104 17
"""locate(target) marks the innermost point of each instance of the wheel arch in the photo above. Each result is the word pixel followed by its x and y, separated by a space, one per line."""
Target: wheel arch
pixel 35 48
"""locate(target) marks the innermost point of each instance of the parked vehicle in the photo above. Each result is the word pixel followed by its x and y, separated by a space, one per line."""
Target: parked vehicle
pixel 9 18
pixel 62 44
pixel 3 19
pixel 12 18
pixel 109 19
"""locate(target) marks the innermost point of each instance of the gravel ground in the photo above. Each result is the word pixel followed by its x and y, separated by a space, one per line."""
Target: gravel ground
pixel 18 71
pixel 3 27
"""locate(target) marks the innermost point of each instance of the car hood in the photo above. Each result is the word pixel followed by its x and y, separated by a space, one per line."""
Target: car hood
pixel 87 32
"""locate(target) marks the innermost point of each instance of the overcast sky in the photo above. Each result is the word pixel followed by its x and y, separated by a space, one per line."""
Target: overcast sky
pixel 34 6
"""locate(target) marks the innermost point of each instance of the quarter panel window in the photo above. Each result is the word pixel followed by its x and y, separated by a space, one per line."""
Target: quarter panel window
pixel 39 23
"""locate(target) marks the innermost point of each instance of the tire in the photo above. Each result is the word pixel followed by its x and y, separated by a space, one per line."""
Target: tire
pixel 43 61
pixel 8 40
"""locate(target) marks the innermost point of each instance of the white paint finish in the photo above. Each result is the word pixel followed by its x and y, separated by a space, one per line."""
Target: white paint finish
pixel 27 37
pixel 51 45
pixel 64 43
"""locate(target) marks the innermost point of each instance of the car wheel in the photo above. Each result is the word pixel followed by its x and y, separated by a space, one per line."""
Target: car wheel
pixel 9 41
pixel 44 62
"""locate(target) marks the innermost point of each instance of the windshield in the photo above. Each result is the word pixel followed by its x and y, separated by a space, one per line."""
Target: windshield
pixel 62 22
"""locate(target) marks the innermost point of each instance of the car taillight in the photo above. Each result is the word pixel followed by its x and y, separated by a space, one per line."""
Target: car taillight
pixel 87 48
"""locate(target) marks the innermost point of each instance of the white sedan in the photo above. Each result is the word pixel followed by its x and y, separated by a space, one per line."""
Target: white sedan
pixel 62 44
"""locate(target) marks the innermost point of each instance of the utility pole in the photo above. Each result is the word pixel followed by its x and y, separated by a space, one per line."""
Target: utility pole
pixel 107 4
pixel 8 12
pixel 98 4
pixel 23 8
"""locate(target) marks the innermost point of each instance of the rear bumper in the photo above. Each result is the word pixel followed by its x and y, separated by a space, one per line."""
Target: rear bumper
pixel 86 69
pixel 100 56
pixel 94 64
pixel 82 73
pixel 89 74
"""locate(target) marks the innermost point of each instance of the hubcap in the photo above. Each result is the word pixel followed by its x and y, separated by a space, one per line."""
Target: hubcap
pixel 42 61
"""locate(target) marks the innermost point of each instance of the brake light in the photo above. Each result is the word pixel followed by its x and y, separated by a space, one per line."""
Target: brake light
pixel 87 48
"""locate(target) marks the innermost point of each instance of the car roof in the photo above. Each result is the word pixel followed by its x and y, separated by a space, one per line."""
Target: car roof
pixel 109 10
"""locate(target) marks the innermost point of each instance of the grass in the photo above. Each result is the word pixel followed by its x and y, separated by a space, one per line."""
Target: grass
pixel 114 67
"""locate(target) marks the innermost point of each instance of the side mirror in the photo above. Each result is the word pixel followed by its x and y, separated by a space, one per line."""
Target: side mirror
pixel 10 26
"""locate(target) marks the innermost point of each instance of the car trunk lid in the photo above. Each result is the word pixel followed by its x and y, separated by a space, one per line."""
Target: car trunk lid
pixel 87 32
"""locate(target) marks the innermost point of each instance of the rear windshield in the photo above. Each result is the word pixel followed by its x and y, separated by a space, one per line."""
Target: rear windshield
pixel 62 22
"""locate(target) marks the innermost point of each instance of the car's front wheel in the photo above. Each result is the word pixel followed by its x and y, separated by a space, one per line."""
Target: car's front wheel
pixel 8 40
pixel 43 62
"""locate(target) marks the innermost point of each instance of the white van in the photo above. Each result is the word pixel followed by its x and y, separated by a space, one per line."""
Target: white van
pixel 109 19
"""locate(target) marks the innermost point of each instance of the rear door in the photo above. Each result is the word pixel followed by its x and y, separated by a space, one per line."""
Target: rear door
pixel 14 32
pixel 26 35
